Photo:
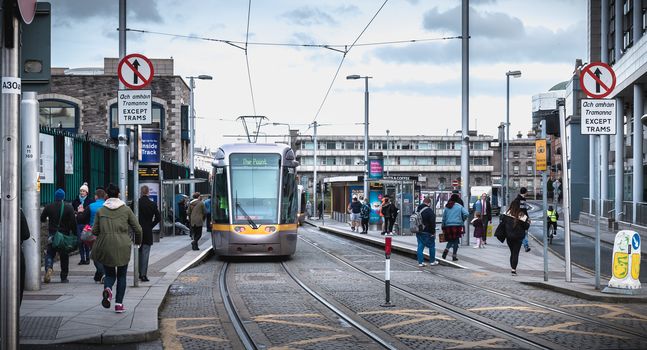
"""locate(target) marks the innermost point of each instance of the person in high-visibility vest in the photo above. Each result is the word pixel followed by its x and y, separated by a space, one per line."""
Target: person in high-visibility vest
pixel 553 216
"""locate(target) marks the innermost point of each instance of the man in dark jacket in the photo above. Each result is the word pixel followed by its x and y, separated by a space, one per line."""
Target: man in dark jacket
pixel 521 198
pixel 61 218
pixel 426 236
pixel 390 212
pixel 149 216
pixel 81 206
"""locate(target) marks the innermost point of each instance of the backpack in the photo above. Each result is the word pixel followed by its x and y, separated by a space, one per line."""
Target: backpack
pixel 366 211
pixel 415 221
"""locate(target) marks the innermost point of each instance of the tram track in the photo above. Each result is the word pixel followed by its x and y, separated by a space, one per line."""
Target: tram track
pixel 464 315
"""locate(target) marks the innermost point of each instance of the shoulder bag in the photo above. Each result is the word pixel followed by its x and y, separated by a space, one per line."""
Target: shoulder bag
pixel 61 241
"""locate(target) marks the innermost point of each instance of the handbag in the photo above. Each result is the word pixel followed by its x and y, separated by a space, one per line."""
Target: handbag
pixel 61 241
pixel 87 236
pixel 441 238
pixel 500 233
pixel 490 230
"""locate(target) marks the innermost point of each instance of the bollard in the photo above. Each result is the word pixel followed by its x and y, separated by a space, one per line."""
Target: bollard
pixel 626 264
pixel 387 272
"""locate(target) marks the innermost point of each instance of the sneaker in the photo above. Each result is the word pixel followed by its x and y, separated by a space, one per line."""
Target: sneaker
pixel 476 247
pixel 527 249
pixel 107 297
pixel 433 263
pixel 48 275
pixel 513 272
pixel 421 265
pixel 119 308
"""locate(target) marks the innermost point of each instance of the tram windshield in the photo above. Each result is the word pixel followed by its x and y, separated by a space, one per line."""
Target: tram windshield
pixel 255 187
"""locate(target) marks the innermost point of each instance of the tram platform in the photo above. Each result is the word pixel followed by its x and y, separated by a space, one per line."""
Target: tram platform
pixel 495 259
pixel 72 312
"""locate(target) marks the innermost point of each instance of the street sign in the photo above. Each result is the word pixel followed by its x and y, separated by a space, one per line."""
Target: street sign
pixel 599 117
pixel 134 107
pixel 135 71
pixel 455 183
pixel 597 80
pixel 540 154
pixel 27 10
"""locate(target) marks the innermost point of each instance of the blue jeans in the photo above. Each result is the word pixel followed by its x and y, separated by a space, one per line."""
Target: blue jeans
pixel 49 260
pixel 84 249
pixel 452 243
pixel 525 241
pixel 144 253
pixel 118 274
pixel 426 239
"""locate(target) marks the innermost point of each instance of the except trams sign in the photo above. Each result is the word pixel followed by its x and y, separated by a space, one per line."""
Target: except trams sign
pixel 599 117
pixel 134 107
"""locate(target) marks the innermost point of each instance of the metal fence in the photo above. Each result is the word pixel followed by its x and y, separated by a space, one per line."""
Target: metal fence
pixel 626 214
pixel 96 163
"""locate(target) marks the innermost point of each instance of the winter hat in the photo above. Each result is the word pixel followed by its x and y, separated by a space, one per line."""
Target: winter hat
pixel 84 187
pixel 59 195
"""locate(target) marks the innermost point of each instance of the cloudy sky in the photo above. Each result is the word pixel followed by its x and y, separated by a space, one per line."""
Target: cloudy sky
pixel 415 87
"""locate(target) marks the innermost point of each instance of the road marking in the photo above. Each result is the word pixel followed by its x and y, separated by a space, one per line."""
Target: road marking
pixel 562 328
pixel 614 311
pixel 171 333
pixel 310 341
pixel 419 316
pixel 515 308
pixel 461 344
pixel 275 319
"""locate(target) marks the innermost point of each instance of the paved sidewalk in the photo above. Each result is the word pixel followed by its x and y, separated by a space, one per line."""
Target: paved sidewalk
pixel 72 312
pixel 495 259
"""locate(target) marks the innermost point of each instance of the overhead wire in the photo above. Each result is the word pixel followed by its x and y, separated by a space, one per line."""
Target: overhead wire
pixel 249 74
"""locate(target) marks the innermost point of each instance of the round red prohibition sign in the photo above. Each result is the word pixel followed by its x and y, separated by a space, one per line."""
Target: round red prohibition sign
pixel 135 71
pixel 597 80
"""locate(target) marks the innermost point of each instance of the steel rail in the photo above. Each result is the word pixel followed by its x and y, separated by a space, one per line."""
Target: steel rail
pixel 239 327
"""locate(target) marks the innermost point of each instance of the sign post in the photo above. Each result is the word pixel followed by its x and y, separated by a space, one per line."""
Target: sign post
pixel 597 80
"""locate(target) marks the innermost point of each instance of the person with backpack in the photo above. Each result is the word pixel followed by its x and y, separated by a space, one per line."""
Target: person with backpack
pixel 365 214
pixel 516 223
pixel 61 218
pixel 521 198
pixel 424 225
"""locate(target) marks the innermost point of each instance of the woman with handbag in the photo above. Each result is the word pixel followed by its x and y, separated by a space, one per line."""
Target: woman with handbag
pixel 454 217
pixel 61 222
pixel 516 223
pixel 113 245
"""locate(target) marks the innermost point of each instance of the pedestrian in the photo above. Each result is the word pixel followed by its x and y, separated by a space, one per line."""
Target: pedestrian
pixel 207 213
pixel 354 208
pixel 62 219
pixel 196 215
pixel 99 200
pixel 485 207
pixel 149 216
pixel 521 198
pixel 365 215
pixel 182 213
pixel 24 235
pixel 112 225
pixel 552 216
pixel 516 223
pixel 320 209
pixel 390 212
pixel 479 230
pixel 454 216
pixel 309 210
pixel 426 235
pixel 80 205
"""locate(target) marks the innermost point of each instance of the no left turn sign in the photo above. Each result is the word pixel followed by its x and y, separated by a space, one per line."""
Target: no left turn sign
pixel 597 80
pixel 135 71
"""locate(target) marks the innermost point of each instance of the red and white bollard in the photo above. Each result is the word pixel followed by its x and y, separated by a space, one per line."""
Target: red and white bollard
pixel 387 272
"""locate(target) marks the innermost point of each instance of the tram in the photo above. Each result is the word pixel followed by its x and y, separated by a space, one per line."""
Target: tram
pixel 255 200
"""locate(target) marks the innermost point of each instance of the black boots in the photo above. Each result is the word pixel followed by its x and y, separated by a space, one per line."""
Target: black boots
pixel 445 253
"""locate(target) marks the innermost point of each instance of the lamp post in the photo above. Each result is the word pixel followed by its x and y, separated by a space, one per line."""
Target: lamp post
pixel 514 74
pixel 192 127
pixel 387 152
pixel 366 78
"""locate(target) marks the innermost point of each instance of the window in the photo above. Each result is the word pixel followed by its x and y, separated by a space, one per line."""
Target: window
pixel 254 187
pixel 184 122
pixel 445 160
pixel 157 114
pixel 289 196
pixel 530 184
pixel 423 161
pixel 515 183
pixel 349 145
pixel 307 145
pixel 529 154
pixel 329 161
pixel 478 160
pixel 406 160
pixel 220 205
pixel 330 145
pixel 406 146
pixel 529 167
pixel 424 145
pixel 307 160
pixel 348 161
pixel 515 168
pixel 515 154
pixel 479 145
pixel 59 114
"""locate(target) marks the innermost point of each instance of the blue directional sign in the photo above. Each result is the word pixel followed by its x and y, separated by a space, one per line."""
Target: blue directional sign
pixel 635 241
pixel 150 146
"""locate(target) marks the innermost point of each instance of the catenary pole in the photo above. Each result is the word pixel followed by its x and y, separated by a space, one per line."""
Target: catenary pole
pixel 122 148
pixel 465 146
pixel 135 159
pixel 30 187
pixel 596 195
pixel 366 136
pixel 10 102
pixel 314 176
pixel 566 184
pixel 544 200
pixel 192 140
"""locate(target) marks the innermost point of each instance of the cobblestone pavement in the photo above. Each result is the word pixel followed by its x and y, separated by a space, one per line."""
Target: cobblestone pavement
pixel 561 330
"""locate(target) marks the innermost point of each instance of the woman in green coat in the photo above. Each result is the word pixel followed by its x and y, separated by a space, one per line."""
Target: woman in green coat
pixel 113 245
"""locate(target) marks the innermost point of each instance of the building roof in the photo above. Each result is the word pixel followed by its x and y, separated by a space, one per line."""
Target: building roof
pixel 559 86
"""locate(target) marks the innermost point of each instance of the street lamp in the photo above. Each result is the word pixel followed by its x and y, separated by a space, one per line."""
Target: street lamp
pixel 192 127
pixel 514 74
pixel 387 151
pixel 366 78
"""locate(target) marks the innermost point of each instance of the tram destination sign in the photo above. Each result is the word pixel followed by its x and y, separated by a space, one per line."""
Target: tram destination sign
pixel 598 117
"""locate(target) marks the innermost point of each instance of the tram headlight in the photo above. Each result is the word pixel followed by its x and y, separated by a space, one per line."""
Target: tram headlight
pixel 239 229
pixel 270 229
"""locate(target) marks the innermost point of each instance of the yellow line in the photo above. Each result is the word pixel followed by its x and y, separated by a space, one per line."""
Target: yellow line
pixel 461 344
pixel 515 308
pixel 170 332
pixel 561 328
pixel 307 325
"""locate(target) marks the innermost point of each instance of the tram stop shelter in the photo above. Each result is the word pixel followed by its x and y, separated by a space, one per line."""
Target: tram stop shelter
pixel 171 194
pixel 402 190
